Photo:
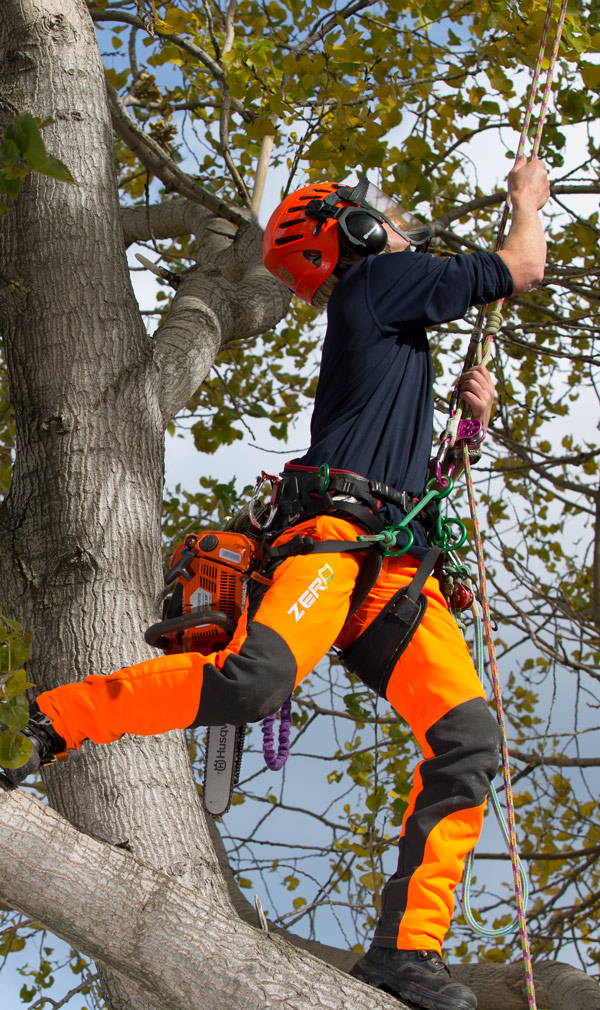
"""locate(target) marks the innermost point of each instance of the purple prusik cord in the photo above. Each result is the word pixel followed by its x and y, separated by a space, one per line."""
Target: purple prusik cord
pixel 272 760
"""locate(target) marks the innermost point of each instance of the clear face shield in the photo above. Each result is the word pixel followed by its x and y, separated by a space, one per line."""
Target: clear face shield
pixel 366 195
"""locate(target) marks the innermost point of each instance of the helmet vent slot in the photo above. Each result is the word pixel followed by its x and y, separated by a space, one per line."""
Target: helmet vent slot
pixel 294 220
pixel 287 238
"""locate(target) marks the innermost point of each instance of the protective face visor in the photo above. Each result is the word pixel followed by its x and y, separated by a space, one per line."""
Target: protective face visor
pixel 361 223
pixel 418 233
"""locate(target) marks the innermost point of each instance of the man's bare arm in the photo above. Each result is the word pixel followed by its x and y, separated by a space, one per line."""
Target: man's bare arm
pixel 524 251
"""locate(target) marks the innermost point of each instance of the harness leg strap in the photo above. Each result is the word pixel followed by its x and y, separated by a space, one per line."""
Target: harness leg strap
pixel 374 654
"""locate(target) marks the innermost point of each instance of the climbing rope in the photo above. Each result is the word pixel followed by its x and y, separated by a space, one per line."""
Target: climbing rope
pixel 488 322
pixel 489 319
pixel 495 677
pixel 489 933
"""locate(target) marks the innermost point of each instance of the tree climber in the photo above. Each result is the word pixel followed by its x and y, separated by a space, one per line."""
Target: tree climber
pixel 348 247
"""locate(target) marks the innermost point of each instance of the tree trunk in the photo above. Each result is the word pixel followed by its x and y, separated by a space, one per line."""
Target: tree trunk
pixel 81 525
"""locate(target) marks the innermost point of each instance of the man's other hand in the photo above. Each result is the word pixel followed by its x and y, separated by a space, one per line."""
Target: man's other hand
pixel 477 389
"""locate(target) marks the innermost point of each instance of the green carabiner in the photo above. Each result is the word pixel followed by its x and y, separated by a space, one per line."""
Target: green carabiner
pixel 389 553
pixel 440 493
pixel 324 478
pixel 443 534
pixel 387 538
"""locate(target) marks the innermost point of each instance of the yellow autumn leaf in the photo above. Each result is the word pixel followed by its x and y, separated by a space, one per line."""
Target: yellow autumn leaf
pixel 175 20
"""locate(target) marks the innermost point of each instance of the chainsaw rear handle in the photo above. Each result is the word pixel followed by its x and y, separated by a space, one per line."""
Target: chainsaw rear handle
pixel 199 617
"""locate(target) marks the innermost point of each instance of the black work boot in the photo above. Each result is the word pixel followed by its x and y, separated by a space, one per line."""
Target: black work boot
pixel 417 977
pixel 46 745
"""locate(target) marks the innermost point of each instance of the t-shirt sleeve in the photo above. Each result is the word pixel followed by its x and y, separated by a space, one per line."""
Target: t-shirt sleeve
pixel 418 288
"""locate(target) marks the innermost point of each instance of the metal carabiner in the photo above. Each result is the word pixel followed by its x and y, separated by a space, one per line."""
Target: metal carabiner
pixel 273 503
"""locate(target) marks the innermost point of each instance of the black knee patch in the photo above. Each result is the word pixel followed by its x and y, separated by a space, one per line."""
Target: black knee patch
pixel 252 684
pixel 467 742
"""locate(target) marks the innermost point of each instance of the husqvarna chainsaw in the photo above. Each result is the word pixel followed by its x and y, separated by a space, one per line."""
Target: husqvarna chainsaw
pixel 208 581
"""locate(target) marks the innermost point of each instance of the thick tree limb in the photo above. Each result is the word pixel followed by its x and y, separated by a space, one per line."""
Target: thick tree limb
pixel 497 986
pixel 165 220
pixel 171 941
pixel 228 297
pixel 182 950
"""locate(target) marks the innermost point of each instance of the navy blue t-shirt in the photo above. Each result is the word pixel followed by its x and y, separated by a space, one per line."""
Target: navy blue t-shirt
pixel 373 411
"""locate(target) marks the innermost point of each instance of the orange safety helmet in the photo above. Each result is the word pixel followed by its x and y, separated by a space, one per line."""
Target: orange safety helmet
pixel 302 239
pixel 299 250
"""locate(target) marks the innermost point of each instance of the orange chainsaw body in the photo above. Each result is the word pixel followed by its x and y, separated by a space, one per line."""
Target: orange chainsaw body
pixel 209 572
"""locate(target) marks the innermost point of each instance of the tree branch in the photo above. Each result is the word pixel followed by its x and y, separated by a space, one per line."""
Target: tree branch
pixel 163 167
pixel 190 47
pixel 593 850
pixel 494 199
pixel 555 760
pixel 326 22
pixel 168 938
pixel 230 296
pixel 170 219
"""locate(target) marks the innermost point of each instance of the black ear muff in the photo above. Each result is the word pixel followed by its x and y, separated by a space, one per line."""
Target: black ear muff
pixel 363 231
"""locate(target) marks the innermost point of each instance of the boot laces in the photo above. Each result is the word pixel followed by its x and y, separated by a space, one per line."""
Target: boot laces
pixel 434 959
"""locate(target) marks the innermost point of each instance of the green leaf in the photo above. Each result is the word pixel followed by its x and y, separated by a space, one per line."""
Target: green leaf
pixel 34 151
pixel 13 684
pixel 15 749
pixel 15 712
pixel 55 168
pixel 371 880
pixel 591 75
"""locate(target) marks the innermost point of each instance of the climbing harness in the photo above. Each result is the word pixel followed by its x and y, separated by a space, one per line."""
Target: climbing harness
pixel 301 492
pixel 210 571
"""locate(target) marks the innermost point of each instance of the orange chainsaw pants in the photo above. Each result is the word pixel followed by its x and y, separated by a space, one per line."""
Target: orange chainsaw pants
pixel 284 632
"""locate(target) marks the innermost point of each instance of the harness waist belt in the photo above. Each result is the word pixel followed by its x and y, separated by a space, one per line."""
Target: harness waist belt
pixel 305 491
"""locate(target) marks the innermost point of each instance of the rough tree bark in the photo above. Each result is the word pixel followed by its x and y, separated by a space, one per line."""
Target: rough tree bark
pixel 80 559
pixel 81 525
